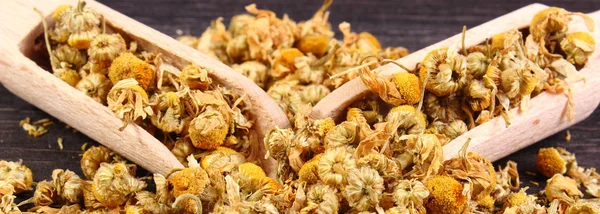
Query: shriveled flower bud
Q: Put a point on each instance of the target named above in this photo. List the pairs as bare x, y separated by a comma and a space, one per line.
195, 77
314, 93
68, 185
445, 195
104, 49
314, 44
96, 86
551, 161
127, 66
191, 180
129, 101
254, 70
278, 142
223, 159
114, 184
345, 133
446, 68
364, 188
168, 113
17, 174
309, 172
409, 193
578, 46
334, 166
208, 130
562, 188
321, 198
93, 157
74, 58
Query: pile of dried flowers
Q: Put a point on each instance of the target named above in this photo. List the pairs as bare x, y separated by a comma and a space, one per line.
367, 163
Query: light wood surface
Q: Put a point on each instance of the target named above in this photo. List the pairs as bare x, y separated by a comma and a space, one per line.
492, 139
20, 75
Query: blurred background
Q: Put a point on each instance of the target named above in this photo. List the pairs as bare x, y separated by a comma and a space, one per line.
412, 24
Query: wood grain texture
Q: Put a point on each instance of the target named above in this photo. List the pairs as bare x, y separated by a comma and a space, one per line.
413, 24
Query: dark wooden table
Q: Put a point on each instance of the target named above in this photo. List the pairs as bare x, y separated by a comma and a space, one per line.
412, 24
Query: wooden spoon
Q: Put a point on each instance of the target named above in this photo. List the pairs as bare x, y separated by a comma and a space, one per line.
21, 25
492, 139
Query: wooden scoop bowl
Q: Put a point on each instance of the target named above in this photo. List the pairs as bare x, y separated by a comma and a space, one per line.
21, 25
492, 139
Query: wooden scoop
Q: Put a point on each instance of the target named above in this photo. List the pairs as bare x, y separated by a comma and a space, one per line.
21, 25
492, 139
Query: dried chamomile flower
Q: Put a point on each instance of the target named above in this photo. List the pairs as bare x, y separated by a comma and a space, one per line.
283, 62
80, 18
104, 49
507, 181
239, 24
321, 198
518, 82
446, 69
67, 185
578, 46
552, 161
237, 49
410, 194
314, 44
405, 119
309, 172
314, 93
192, 180
334, 166
318, 24
444, 109
128, 100
479, 96
384, 165
127, 66
74, 58
67, 75
474, 169
223, 159
345, 133
195, 77
82, 24
268, 33
254, 70
113, 184
553, 21
427, 154
44, 194
249, 176
364, 188
451, 130
168, 113
213, 41
209, 129
445, 195
93, 157
477, 64
278, 142
520, 202
96, 86
182, 149
17, 174
562, 188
